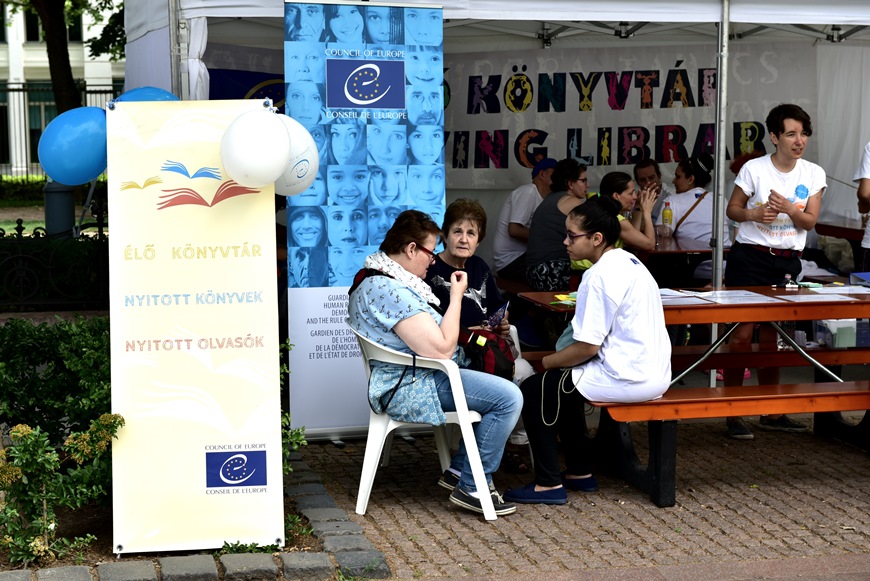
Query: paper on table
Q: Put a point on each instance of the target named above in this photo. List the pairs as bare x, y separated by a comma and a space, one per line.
672, 300
816, 298
733, 297
669, 292
736, 297
838, 290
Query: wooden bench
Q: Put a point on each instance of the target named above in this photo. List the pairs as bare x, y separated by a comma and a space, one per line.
615, 449
760, 355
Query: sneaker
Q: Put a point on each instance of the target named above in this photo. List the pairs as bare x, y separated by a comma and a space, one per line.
528, 495
782, 424
738, 430
588, 484
448, 480
461, 497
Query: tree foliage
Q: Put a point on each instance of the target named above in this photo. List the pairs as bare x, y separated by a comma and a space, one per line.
112, 38
55, 16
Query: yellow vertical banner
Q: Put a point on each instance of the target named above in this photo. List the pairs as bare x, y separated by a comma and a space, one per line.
194, 334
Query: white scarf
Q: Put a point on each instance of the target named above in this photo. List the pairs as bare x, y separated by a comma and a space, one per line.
380, 261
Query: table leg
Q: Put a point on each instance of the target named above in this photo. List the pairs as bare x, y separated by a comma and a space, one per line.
785, 337
705, 355
614, 449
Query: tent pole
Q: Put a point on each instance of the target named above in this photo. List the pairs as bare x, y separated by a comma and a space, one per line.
721, 146
174, 50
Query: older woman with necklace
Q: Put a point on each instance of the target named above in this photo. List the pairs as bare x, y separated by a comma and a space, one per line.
463, 230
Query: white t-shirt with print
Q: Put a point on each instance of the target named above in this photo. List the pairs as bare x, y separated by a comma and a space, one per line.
863, 173
699, 224
756, 178
518, 209
619, 308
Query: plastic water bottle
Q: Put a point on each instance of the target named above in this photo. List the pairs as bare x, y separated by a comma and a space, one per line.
668, 215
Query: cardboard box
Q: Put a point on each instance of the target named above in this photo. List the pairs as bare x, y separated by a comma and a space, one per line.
836, 333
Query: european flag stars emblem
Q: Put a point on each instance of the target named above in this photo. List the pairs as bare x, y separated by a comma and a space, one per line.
364, 84
235, 469
355, 84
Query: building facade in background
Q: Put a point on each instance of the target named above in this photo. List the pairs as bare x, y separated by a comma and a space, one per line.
26, 97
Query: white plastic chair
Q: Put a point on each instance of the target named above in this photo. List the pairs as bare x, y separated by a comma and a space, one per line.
381, 426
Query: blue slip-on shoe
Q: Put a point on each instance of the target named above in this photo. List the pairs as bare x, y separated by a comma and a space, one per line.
588, 484
528, 495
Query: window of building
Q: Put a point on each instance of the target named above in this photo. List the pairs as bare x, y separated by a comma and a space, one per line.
41, 109
33, 28
2, 22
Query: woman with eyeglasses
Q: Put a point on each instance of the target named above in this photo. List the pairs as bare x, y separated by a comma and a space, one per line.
391, 304
547, 265
620, 353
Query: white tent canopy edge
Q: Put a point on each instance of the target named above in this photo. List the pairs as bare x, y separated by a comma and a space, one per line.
840, 136
149, 15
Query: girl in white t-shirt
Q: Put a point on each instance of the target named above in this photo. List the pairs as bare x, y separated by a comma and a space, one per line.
621, 352
776, 200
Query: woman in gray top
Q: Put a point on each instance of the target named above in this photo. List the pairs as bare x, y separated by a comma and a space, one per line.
548, 266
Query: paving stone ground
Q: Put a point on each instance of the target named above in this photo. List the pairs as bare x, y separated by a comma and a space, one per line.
781, 505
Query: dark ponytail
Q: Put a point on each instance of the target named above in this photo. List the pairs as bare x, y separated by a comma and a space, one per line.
599, 214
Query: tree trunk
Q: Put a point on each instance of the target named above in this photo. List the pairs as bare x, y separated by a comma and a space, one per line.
51, 16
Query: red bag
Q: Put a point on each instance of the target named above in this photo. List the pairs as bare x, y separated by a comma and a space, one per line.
487, 352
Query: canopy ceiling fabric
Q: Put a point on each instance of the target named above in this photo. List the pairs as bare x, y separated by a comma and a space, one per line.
475, 25
146, 15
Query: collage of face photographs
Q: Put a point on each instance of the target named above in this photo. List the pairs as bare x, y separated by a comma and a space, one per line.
375, 161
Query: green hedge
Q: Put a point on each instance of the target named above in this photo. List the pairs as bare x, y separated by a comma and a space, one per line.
56, 376
30, 189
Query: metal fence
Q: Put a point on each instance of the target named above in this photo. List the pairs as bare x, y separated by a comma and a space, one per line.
38, 273
25, 110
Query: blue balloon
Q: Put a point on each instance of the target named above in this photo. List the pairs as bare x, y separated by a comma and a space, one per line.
73, 148
147, 94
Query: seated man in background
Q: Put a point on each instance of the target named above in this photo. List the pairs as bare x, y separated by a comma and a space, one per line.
512, 230
647, 174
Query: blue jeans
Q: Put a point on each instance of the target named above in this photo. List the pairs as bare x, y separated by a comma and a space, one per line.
499, 402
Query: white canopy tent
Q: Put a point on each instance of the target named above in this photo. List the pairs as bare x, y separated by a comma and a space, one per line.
168, 40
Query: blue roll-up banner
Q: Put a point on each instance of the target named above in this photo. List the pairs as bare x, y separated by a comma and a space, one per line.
366, 80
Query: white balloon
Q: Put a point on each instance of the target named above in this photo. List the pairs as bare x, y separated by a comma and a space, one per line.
300, 171
255, 148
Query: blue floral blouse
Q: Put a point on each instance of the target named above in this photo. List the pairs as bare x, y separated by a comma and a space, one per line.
374, 309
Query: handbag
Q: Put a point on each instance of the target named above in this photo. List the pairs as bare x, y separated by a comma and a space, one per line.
487, 352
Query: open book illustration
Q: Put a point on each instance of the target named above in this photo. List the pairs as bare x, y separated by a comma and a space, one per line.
183, 196
203, 172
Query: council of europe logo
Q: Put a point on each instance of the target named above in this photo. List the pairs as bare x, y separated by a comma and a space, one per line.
235, 469
354, 84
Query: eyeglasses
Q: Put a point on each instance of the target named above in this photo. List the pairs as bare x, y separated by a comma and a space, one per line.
584, 180
429, 252
573, 237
